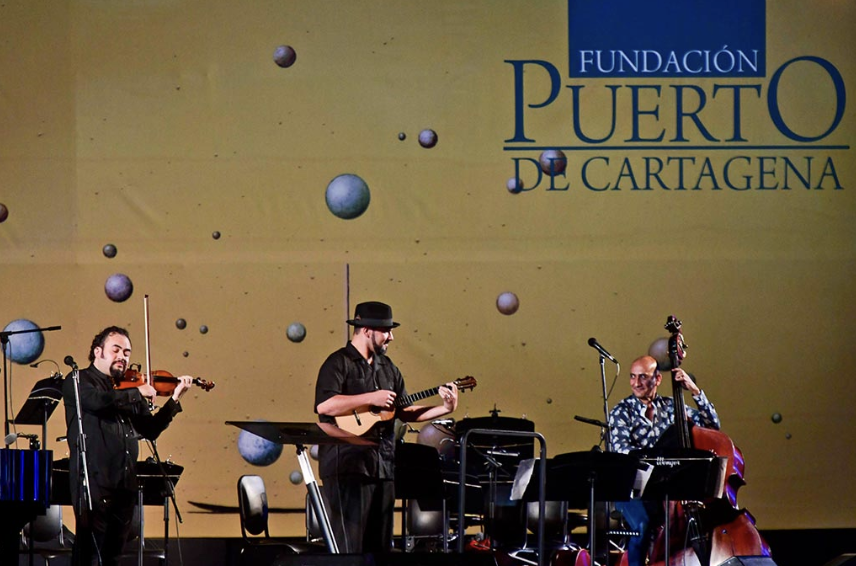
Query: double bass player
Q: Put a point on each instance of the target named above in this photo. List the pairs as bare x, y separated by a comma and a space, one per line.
637, 422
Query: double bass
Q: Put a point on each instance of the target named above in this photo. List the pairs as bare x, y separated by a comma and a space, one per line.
717, 528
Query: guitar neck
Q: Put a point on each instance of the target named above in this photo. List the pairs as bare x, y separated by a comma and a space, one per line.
408, 400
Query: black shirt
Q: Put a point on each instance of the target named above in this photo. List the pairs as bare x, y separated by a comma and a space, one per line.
347, 372
114, 420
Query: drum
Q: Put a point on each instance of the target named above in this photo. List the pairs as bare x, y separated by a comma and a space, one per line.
441, 435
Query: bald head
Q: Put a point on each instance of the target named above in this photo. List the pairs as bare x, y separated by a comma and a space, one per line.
645, 378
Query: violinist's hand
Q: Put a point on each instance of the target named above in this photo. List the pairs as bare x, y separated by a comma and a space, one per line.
185, 382
686, 381
147, 391
449, 394
383, 398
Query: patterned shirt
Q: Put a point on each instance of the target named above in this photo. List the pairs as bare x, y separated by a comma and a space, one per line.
630, 429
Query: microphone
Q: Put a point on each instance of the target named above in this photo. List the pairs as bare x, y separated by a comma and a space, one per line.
69, 361
13, 436
593, 343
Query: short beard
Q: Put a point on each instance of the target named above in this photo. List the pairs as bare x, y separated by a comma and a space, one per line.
115, 372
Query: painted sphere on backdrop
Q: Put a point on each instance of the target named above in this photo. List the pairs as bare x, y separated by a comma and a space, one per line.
118, 287
4, 212
507, 303
553, 161
109, 251
659, 350
284, 56
295, 477
427, 138
24, 348
348, 196
296, 332
514, 185
257, 450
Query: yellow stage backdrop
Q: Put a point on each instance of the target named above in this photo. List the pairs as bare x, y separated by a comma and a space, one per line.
154, 124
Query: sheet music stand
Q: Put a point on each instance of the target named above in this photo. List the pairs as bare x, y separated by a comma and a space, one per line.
682, 474
152, 490
581, 478
40, 404
301, 435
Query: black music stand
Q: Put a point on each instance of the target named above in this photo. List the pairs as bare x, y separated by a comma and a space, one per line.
301, 435
681, 474
152, 490
581, 478
40, 404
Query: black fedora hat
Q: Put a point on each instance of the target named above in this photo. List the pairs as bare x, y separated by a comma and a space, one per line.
373, 314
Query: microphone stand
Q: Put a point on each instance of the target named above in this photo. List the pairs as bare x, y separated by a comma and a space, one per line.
4, 341
81, 441
606, 433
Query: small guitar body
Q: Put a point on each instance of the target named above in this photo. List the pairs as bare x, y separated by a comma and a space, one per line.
363, 418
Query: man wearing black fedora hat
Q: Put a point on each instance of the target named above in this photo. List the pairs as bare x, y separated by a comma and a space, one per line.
358, 480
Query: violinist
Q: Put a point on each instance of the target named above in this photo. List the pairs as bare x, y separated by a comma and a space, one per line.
638, 421
113, 421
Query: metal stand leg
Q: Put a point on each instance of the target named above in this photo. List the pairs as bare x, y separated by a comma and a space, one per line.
317, 501
165, 531
142, 526
668, 528
592, 527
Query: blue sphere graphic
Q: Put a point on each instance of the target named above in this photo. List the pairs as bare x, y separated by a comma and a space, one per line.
258, 451
24, 348
348, 196
118, 287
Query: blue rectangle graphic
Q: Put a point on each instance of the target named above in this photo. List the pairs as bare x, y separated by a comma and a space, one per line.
667, 38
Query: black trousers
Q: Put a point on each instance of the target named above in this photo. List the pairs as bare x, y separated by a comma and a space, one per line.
361, 512
102, 533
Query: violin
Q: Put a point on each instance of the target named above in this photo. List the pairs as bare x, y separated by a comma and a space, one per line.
163, 381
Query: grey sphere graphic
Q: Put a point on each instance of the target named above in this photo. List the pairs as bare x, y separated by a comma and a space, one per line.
659, 350
296, 332
295, 477
181, 324
514, 185
4, 212
109, 251
553, 161
507, 303
427, 138
348, 196
257, 450
284, 56
27, 347
118, 287
203, 329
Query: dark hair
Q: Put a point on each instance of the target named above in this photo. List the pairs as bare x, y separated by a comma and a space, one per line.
101, 337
